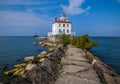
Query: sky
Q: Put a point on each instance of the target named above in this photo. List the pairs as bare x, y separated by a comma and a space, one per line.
29, 17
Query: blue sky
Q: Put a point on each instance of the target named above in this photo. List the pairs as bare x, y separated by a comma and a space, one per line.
27, 17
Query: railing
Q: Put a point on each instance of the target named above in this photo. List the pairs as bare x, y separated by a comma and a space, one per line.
71, 34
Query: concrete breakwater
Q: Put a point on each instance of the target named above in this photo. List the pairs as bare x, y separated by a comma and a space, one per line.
77, 68
67, 66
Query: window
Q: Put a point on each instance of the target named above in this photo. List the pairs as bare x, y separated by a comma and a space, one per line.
67, 30
67, 25
59, 25
63, 25
59, 30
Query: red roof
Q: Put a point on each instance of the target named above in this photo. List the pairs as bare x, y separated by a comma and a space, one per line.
62, 21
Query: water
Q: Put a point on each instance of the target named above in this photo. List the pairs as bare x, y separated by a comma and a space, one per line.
14, 49
108, 50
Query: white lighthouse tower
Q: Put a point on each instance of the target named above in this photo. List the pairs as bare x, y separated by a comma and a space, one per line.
61, 26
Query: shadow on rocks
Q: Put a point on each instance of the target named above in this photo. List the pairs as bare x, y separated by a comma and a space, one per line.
43, 73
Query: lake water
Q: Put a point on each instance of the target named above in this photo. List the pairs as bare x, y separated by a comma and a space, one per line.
14, 49
108, 50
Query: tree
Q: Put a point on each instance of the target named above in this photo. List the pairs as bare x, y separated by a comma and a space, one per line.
65, 40
83, 42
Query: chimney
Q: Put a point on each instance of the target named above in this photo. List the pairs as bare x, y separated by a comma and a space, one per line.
55, 19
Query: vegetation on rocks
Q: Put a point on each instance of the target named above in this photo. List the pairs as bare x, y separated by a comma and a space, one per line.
83, 42
65, 40
90, 57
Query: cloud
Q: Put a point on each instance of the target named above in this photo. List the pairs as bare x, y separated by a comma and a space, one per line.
75, 8
23, 23
19, 18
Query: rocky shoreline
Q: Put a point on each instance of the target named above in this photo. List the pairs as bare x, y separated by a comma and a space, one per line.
42, 69
61, 65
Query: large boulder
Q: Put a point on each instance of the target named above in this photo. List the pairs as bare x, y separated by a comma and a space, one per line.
30, 67
57, 54
50, 66
38, 75
20, 80
106, 73
29, 58
42, 54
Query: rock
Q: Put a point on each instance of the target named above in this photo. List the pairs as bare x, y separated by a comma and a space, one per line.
53, 56
40, 43
20, 80
65, 61
49, 44
42, 54
20, 65
56, 55
39, 75
76, 68
77, 58
89, 74
77, 52
59, 45
73, 69
19, 72
29, 58
51, 49
70, 79
30, 67
106, 74
109, 79
10, 72
117, 79
50, 66
42, 59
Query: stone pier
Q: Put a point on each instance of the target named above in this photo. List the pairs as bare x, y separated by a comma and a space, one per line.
76, 69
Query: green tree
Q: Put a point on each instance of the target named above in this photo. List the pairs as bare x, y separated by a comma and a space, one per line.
65, 40
83, 42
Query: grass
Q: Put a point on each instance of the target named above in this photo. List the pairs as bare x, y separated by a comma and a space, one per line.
90, 57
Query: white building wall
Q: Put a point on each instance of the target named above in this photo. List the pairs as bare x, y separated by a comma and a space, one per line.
56, 28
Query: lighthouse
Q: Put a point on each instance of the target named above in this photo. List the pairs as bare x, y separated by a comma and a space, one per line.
61, 26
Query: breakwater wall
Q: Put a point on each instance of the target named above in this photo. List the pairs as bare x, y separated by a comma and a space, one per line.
79, 68
68, 65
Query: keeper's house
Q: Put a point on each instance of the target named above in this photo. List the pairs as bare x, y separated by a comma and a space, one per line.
61, 26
